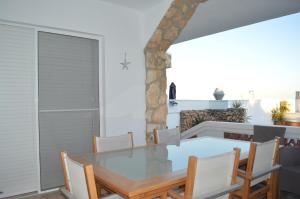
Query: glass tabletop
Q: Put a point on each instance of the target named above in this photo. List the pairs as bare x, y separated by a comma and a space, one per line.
143, 163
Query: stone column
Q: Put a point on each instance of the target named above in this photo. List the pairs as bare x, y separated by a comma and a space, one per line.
157, 60
156, 85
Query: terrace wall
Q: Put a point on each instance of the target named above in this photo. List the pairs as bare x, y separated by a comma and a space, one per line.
190, 118
258, 111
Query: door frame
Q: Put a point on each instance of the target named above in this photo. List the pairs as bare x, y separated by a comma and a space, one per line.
101, 85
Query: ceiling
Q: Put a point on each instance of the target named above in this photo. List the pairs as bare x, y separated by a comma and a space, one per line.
139, 5
216, 16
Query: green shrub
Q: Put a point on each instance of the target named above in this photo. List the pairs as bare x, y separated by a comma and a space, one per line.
237, 104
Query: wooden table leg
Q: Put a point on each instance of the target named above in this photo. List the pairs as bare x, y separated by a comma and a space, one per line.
164, 196
275, 186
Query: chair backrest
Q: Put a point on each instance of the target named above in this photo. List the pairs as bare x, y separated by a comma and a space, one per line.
101, 144
207, 175
262, 157
267, 133
79, 179
167, 136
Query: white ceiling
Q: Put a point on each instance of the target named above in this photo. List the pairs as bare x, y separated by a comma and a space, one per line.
139, 5
216, 16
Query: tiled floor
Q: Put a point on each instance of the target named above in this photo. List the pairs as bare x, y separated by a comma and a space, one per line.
57, 195
50, 195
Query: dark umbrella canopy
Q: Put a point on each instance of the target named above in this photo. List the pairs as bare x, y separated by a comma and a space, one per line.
172, 91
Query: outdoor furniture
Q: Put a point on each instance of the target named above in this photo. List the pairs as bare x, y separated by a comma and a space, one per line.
79, 180
267, 133
101, 144
260, 177
152, 170
167, 136
289, 177
211, 177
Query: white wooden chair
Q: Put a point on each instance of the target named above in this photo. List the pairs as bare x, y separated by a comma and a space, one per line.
101, 144
79, 180
211, 177
167, 136
260, 175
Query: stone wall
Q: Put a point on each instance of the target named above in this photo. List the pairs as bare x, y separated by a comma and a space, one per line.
157, 60
190, 118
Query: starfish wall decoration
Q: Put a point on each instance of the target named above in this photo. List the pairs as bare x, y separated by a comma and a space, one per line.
125, 63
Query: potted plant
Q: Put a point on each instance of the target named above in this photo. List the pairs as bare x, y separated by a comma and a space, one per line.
278, 113
277, 116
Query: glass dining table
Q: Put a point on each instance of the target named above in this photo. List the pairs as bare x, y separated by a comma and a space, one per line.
149, 171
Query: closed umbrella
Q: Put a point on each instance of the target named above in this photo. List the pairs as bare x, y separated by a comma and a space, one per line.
172, 91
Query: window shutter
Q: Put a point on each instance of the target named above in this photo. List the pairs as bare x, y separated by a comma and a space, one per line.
18, 136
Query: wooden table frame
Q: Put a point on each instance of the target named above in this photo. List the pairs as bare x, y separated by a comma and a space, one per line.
137, 189
131, 189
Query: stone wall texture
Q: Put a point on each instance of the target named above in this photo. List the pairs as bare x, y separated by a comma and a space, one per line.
190, 118
157, 60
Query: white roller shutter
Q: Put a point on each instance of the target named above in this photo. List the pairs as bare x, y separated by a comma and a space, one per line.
18, 136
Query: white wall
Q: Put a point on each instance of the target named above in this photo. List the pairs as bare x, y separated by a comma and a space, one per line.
122, 29
260, 110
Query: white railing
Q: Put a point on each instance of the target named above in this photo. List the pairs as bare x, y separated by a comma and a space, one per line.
217, 129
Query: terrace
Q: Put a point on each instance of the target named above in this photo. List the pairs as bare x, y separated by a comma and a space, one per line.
76, 73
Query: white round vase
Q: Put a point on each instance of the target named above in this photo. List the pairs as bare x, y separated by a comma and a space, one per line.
219, 94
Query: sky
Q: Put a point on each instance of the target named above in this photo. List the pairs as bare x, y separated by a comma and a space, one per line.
259, 61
